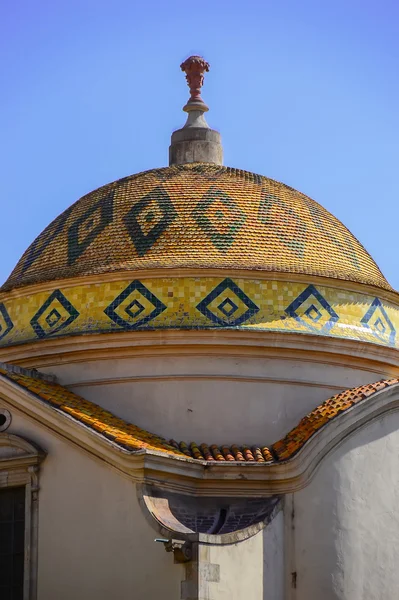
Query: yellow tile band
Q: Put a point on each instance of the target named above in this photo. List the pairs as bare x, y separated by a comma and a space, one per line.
198, 303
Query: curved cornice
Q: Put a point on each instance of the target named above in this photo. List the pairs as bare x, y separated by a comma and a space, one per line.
203, 478
25, 447
304, 347
23, 452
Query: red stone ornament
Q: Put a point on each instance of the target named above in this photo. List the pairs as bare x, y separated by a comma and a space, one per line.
194, 68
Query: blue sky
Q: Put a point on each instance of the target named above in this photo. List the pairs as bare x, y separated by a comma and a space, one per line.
305, 92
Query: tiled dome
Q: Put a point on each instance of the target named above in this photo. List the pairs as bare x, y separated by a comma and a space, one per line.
195, 216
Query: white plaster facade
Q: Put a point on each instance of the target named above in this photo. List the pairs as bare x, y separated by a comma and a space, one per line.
333, 535
93, 541
346, 521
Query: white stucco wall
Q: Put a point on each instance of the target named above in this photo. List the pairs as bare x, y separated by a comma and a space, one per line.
273, 559
345, 542
94, 542
252, 569
241, 570
212, 399
339, 536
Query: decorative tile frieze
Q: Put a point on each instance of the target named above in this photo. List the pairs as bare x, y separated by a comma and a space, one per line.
198, 303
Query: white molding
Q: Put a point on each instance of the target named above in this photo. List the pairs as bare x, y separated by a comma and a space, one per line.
126, 344
189, 476
201, 376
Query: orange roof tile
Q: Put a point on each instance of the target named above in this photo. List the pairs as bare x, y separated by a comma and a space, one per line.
133, 438
120, 432
287, 447
322, 414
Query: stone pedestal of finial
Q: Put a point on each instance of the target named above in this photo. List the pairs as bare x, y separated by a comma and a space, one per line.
195, 142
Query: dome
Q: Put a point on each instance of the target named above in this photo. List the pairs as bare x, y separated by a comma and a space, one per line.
195, 216
197, 246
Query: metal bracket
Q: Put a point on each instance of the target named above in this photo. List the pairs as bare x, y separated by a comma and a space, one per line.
182, 551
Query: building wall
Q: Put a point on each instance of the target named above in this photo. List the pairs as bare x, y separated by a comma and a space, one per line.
213, 399
273, 559
344, 544
337, 539
94, 542
253, 568
241, 570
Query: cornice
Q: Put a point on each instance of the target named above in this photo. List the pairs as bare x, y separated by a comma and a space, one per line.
28, 454
238, 343
198, 377
201, 478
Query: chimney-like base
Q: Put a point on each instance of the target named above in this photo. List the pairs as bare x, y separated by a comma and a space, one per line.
195, 144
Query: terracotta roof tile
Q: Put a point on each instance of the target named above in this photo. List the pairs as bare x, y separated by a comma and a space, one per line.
287, 447
122, 433
320, 416
133, 438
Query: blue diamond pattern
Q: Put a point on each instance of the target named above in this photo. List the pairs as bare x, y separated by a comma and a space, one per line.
377, 320
231, 307
143, 241
240, 298
136, 285
48, 235
138, 309
53, 318
84, 230
379, 325
229, 212
312, 311
5, 322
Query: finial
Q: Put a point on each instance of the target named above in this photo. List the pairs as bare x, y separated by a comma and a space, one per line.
195, 141
194, 68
